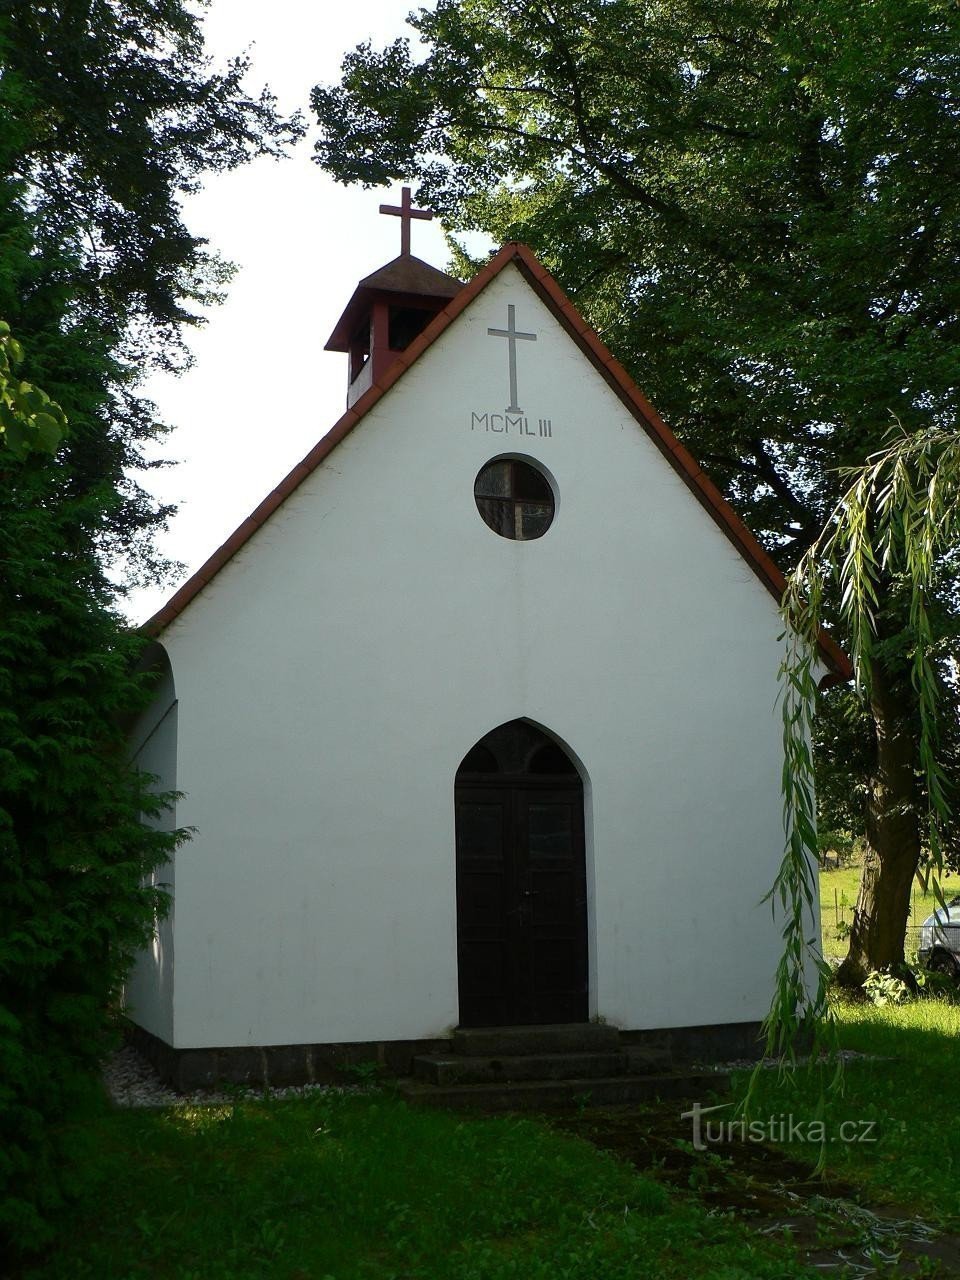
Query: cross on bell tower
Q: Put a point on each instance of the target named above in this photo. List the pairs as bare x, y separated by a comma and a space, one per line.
390, 308
406, 213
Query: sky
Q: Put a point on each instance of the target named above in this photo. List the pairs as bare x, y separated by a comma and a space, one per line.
262, 390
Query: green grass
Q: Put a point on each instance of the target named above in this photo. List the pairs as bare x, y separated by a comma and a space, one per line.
838, 894
911, 1093
363, 1186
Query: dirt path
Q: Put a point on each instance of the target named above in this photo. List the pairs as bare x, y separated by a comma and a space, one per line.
834, 1226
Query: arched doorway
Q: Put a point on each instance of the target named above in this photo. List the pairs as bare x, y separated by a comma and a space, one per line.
521, 882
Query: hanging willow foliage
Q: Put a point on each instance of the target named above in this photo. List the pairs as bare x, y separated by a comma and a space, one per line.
898, 518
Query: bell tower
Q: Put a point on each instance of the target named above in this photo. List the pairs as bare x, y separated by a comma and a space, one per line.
390, 307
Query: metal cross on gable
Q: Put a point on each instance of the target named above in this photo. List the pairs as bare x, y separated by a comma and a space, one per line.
511, 333
405, 212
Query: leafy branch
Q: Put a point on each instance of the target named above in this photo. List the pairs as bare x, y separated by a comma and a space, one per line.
30, 422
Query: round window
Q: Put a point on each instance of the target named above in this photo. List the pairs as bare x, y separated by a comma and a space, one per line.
514, 498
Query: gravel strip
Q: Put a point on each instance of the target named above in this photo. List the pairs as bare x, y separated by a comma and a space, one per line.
771, 1064
132, 1081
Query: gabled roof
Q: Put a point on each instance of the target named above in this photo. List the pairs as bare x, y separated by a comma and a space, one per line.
407, 274
404, 275
553, 297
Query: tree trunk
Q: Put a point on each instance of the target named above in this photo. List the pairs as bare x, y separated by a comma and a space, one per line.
893, 841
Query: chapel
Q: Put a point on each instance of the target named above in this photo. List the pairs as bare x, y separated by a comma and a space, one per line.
474, 720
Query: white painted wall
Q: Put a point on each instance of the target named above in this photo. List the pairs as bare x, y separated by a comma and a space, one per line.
148, 995
333, 675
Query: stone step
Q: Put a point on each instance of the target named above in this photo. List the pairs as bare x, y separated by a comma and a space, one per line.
505, 1042
458, 1069
558, 1095
643, 1060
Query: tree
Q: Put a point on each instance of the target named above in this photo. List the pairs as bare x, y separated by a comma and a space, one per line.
74, 853
898, 517
110, 113
756, 204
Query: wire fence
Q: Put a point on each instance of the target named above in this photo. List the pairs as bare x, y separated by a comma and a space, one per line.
919, 941
946, 936
840, 910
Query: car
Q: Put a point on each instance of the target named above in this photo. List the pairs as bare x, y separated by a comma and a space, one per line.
939, 949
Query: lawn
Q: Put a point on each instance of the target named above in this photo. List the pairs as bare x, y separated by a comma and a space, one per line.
357, 1185
360, 1185
903, 1103
363, 1186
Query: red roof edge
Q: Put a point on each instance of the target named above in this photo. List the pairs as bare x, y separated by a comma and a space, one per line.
544, 285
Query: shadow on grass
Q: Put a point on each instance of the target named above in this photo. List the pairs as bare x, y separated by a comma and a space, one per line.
356, 1186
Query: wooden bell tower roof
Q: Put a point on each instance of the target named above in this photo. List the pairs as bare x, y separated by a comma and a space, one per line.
410, 277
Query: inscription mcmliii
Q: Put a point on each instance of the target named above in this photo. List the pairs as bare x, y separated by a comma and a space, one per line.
507, 423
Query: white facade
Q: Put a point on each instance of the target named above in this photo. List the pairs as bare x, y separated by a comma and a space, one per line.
334, 673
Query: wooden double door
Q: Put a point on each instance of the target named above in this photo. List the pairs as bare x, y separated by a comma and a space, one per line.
521, 882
